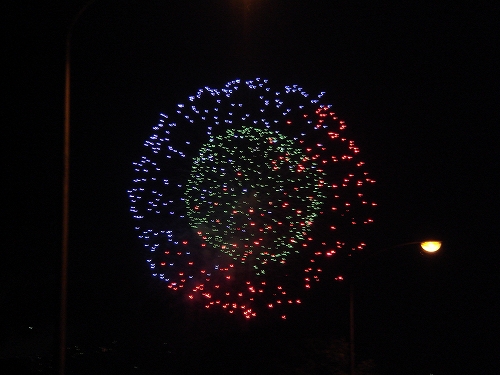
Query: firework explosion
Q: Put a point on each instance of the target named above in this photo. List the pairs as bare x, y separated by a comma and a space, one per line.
245, 194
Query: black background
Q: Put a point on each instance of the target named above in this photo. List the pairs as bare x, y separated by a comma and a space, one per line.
414, 81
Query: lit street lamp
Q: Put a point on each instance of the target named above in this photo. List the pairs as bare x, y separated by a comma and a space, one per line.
427, 246
430, 246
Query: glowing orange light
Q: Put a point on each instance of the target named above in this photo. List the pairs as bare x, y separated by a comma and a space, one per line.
431, 246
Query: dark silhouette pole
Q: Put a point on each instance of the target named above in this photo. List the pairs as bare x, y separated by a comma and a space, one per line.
65, 198
352, 361
427, 246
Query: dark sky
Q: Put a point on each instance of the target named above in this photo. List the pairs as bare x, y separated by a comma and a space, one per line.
414, 81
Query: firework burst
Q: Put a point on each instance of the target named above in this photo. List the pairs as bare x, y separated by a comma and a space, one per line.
245, 194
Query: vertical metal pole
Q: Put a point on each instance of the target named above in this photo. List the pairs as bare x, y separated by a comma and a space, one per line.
65, 215
65, 202
351, 329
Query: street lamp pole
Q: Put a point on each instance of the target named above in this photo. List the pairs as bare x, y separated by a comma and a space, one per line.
427, 246
352, 361
65, 193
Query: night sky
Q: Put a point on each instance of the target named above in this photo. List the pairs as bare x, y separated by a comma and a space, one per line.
415, 83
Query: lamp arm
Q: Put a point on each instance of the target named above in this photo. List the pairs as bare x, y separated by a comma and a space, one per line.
385, 250
75, 20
